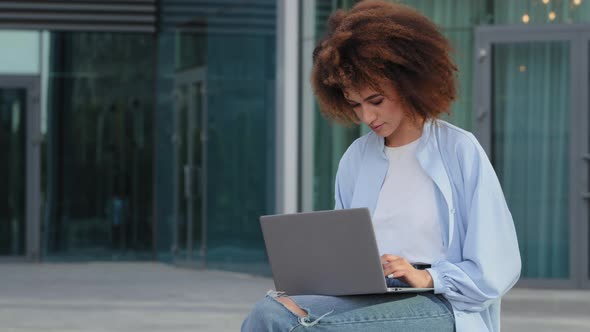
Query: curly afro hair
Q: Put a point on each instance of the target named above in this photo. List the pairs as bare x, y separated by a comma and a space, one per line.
377, 43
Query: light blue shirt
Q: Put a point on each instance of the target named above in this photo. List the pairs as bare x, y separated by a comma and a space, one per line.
482, 258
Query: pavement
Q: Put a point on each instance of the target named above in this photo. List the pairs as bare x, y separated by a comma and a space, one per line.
154, 296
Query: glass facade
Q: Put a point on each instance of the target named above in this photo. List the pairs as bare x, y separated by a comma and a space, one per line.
531, 129
215, 132
154, 146
540, 12
98, 146
162, 145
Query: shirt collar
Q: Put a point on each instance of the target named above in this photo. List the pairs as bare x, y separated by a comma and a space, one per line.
426, 133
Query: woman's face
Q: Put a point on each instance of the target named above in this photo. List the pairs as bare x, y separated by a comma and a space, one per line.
383, 113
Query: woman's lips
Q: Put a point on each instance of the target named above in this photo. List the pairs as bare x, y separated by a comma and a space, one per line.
375, 128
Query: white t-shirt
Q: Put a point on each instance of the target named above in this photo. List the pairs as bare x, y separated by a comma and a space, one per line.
406, 219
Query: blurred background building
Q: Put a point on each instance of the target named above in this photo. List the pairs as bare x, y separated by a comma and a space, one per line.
161, 130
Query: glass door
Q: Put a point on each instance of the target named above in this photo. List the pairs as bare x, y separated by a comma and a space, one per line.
190, 242
19, 153
98, 156
13, 225
530, 149
527, 107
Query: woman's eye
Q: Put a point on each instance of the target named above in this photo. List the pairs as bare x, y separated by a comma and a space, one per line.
377, 102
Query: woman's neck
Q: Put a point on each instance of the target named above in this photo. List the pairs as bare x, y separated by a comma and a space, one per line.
408, 131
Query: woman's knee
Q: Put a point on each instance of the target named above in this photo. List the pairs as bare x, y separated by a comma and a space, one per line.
292, 306
269, 314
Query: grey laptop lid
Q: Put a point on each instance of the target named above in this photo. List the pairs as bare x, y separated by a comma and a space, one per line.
326, 253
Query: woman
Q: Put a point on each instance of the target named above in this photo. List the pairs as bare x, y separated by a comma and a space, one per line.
439, 214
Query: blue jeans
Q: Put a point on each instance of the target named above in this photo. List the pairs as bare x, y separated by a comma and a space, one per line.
380, 312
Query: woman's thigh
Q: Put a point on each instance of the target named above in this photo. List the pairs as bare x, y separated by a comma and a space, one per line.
392, 312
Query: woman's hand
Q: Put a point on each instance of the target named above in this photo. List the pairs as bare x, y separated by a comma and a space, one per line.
401, 269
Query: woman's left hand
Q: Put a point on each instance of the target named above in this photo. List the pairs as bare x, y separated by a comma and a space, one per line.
401, 269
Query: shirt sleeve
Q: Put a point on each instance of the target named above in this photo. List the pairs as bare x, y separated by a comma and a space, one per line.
345, 177
341, 195
491, 262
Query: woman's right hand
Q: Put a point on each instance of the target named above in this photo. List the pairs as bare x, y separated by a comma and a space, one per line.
399, 268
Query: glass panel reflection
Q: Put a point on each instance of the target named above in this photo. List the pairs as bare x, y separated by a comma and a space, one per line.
232, 44
12, 168
530, 149
100, 142
540, 12
188, 169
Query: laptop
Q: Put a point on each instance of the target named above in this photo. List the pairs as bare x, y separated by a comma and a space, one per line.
326, 253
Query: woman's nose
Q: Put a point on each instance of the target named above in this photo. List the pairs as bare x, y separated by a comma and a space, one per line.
367, 115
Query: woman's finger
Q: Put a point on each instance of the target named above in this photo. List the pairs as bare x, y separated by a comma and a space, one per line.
399, 261
396, 273
390, 268
387, 269
388, 257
